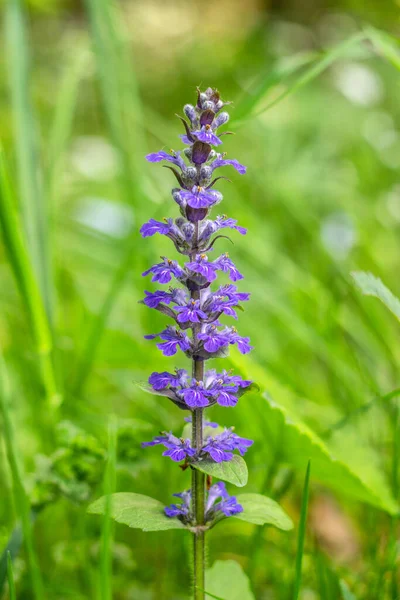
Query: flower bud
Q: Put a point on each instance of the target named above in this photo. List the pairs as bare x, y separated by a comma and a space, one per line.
221, 119
191, 114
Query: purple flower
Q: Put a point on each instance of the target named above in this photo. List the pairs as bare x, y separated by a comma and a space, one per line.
199, 197
221, 446
217, 452
218, 490
213, 339
181, 510
243, 343
222, 162
191, 312
196, 396
160, 381
164, 271
175, 158
201, 266
223, 222
173, 339
229, 506
152, 227
206, 135
224, 263
177, 449
226, 398
153, 299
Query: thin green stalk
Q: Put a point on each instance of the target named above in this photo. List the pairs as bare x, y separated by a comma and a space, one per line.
28, 285
33, 209
108, 528
10, 576
20, 498
302, 534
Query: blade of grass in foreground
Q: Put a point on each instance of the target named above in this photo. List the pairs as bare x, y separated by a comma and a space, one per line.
10, 577
20, 498
25, 276
26, 142
302, 534
105, 583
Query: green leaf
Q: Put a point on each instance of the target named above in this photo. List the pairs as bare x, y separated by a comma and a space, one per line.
302, 534
373, 286
234, 471
226, 580
346, 593
262, 510
253, 387
146, 387
136, 511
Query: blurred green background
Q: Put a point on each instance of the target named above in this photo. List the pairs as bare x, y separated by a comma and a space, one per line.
86, 90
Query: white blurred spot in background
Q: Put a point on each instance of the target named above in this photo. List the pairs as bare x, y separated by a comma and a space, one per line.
104, 216
338, 234
358, 83
393, 202
94, 158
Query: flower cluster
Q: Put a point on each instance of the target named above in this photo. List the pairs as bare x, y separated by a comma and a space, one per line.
219, 447
225, 507
194, 303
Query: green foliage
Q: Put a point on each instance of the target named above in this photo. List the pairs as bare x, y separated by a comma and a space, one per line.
10, 577
301, 534
226, 580
373, 286
346, 593
234, 471
137, 511
261, 510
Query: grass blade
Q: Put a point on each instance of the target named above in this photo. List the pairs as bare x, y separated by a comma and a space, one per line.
10, 576
302, 534
340, 51
27, 282
105, 583
268, 81
26, 142
20, 498
387, 45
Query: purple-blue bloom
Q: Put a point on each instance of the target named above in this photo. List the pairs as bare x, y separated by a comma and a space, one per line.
175, 158
199, 197
160, 381
196, 396
206, 135
203, 267
220, 161
191, 312
164, 271
177, 449
174, 339
213, 340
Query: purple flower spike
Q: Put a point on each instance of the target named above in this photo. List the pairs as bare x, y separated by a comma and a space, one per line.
164, 271
195, 304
